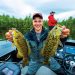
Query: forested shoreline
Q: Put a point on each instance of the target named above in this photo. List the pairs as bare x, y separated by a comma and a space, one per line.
24, 25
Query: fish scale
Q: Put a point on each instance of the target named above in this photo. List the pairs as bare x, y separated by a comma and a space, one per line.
21, 45
51, 43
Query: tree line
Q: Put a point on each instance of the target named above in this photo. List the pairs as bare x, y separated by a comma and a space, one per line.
24, 25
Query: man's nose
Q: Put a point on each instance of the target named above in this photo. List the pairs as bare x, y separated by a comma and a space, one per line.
37, 23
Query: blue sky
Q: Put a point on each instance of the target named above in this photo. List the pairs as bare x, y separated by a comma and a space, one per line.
22, 8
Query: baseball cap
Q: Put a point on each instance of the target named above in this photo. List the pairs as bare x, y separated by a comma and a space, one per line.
37, 15
52, 12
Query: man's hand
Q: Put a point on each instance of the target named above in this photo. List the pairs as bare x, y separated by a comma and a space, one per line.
9, 36
65, 32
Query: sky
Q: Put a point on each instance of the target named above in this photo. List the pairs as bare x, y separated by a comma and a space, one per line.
22, 8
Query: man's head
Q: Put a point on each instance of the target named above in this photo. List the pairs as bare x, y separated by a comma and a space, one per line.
37, 21
37, 15
52, 13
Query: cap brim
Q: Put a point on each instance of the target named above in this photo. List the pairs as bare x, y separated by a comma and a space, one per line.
52, 12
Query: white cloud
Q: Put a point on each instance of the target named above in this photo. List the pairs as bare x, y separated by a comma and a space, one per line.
38, 2
18, 7
61, 16
22, 8
65, 15
44, 1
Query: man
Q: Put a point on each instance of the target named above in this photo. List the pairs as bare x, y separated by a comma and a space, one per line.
36, 38
51, 20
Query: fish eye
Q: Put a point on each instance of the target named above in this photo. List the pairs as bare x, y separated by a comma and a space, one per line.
16, 31
16, 38
56, 28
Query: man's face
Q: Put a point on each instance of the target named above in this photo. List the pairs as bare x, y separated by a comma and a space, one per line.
52, 13
37, 23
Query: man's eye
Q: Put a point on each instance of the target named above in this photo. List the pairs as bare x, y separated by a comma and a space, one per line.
39, 21
35, 21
